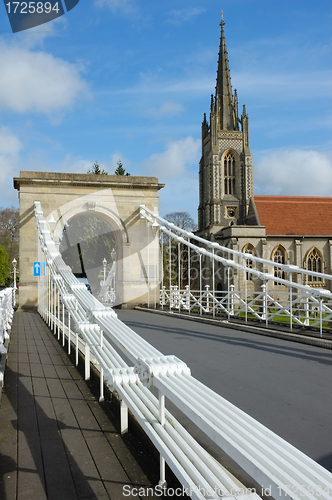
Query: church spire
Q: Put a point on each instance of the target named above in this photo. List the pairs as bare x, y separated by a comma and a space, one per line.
224, 98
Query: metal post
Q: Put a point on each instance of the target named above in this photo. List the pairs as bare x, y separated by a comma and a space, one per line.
49, 296
69, 341
162, 420
179, 267
58, 313
189, 262
147, 225
123, 418
228, 294
76, 360
264, 312
290, 301
170, 271
200, 284
231, 312
306, 308
245, 291
101, 397
14, 262
162, 269
63, 325
87, 362
207, 298
52, 306
213, 285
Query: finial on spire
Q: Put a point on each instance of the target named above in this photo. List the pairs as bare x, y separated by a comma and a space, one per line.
222, 18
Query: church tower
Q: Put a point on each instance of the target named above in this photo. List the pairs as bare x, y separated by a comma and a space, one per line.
225, 169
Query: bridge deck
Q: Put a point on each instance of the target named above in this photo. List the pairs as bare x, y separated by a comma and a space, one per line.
56, 440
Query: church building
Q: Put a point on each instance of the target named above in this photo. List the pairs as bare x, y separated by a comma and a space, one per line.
293, 230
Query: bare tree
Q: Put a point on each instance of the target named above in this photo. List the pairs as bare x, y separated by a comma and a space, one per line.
175, 255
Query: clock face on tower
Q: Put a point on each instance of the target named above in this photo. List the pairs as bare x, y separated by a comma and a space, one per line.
231, 211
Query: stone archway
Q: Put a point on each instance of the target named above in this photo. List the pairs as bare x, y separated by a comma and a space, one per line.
116, 199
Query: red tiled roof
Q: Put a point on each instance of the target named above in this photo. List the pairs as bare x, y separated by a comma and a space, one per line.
295, 215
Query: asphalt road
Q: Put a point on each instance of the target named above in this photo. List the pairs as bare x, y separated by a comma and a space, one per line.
286, 386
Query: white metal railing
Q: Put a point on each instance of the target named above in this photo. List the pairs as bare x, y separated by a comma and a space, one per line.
76, 317
301, 304
107, 292
7, 301
302, 309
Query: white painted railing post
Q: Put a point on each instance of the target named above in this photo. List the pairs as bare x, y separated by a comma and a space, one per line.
48, 296
101, 381
162, 480
213, 284
200, 284
163, 297
63, 325
76, 346
170, 273
187, 298
290, 302
306, 308
59, 312
228, 294
264, 302
87, 362
207, 298
123, 417
69, 341
231, 291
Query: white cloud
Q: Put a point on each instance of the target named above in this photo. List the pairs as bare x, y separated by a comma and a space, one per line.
177, 167
284, 85
37, 81
294, 172
180, 195
178, 17
10, 147
174, 161
166, 109
116, 5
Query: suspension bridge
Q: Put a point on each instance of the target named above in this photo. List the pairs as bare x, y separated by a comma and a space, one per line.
144, 378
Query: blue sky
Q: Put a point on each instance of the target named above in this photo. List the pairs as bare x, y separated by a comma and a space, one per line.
131, 79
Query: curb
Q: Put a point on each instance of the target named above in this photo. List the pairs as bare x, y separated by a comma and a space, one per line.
267, 332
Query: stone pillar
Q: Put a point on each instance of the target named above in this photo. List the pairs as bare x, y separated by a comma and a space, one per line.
114, 198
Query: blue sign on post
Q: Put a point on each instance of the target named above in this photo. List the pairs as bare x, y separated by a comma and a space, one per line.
39, 268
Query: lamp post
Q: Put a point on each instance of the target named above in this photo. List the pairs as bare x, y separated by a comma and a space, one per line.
104, 265
113, 255
14, 262
52, 221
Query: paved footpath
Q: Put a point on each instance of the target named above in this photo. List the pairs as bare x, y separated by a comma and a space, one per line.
56, 441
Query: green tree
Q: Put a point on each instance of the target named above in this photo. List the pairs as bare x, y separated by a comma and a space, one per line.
97, 170
4, 268
9, 231
120, 170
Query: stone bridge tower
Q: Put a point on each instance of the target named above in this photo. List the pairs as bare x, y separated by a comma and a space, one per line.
225, 170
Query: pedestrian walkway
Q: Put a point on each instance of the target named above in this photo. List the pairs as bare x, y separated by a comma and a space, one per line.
56, 441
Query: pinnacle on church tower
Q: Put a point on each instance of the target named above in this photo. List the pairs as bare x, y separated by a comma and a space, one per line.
225, 174
225, 102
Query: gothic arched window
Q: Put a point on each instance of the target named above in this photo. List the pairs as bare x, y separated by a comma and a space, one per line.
279, 256
229, 173
249, 264
314, 262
